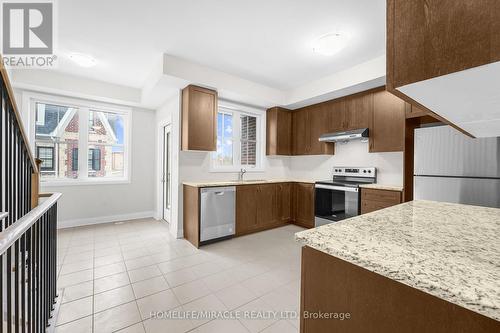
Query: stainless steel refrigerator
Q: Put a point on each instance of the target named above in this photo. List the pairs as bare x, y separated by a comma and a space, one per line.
452, 167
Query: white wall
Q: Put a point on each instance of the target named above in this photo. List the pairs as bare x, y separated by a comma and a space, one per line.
100, 203
389, 165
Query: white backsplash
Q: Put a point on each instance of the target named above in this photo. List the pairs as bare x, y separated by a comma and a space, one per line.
355, 153
195, 166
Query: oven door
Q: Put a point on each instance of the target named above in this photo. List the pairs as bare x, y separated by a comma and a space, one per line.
335, 203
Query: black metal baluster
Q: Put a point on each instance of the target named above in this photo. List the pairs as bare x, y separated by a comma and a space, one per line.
45, 295
40, 274
19, 143
33, 278
54, 254
23, 283
2, 159
3, 113
9, 166
44, 249
38, 279
47, 271
17, 268
16, 286
54, 274
22, 175
51, 262
2, 328
8, 273
29, 252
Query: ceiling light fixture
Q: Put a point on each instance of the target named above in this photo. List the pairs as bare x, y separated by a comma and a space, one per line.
330, 44
83, 60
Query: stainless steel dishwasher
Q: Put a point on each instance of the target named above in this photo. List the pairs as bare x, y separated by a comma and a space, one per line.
217, 213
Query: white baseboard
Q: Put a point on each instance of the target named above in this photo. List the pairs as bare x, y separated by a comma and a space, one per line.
104, 219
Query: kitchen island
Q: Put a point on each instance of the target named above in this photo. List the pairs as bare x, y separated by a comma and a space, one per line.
420, 266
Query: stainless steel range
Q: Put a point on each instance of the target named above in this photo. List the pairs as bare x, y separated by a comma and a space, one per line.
340, 198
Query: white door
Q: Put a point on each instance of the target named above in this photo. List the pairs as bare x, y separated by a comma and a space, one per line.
167, 169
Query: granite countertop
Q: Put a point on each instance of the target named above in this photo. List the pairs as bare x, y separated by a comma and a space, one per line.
245, 182
383, 187
451, 251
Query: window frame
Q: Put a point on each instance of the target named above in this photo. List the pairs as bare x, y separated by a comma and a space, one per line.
237, 111
84, 107
42, 168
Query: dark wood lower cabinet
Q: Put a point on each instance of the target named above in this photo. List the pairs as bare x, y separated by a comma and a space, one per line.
375, 199
284, 196
246, 209
303, 204
258, 207
263, 206
191, 218
375, 303
267, 207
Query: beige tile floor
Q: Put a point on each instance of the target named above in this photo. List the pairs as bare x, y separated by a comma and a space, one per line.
112, 276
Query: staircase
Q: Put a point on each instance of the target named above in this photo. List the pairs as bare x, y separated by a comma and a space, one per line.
28, 223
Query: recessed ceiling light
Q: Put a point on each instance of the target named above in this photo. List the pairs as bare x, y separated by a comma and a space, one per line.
330, 43
83, 60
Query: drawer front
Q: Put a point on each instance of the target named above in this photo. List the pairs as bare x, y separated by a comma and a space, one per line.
392, 197
371, 206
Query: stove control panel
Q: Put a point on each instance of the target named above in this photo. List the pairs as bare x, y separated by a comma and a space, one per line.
354, 172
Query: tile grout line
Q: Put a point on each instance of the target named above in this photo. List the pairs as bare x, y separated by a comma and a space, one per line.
199, 278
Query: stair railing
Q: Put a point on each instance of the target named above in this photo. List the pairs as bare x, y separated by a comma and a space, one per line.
28, 227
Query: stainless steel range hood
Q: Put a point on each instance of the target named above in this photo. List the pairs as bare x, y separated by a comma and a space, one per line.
345, 136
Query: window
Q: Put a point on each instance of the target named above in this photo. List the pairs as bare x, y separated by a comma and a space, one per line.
73, 131
40, 114
248, 140
238, 144
74, 159
46, 154
94, 160
224, 155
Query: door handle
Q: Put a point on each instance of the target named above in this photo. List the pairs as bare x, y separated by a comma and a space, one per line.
219, 193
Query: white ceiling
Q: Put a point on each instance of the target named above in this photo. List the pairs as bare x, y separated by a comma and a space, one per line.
265, 41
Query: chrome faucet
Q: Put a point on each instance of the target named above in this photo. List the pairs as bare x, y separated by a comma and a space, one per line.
241, 174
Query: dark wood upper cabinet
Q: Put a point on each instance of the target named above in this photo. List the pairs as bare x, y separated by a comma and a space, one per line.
387, 130
348, 113
376, 109
301, 132
336, 113
278, 131
429, 39
199, 119
308, 124
318, 121
358, 111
